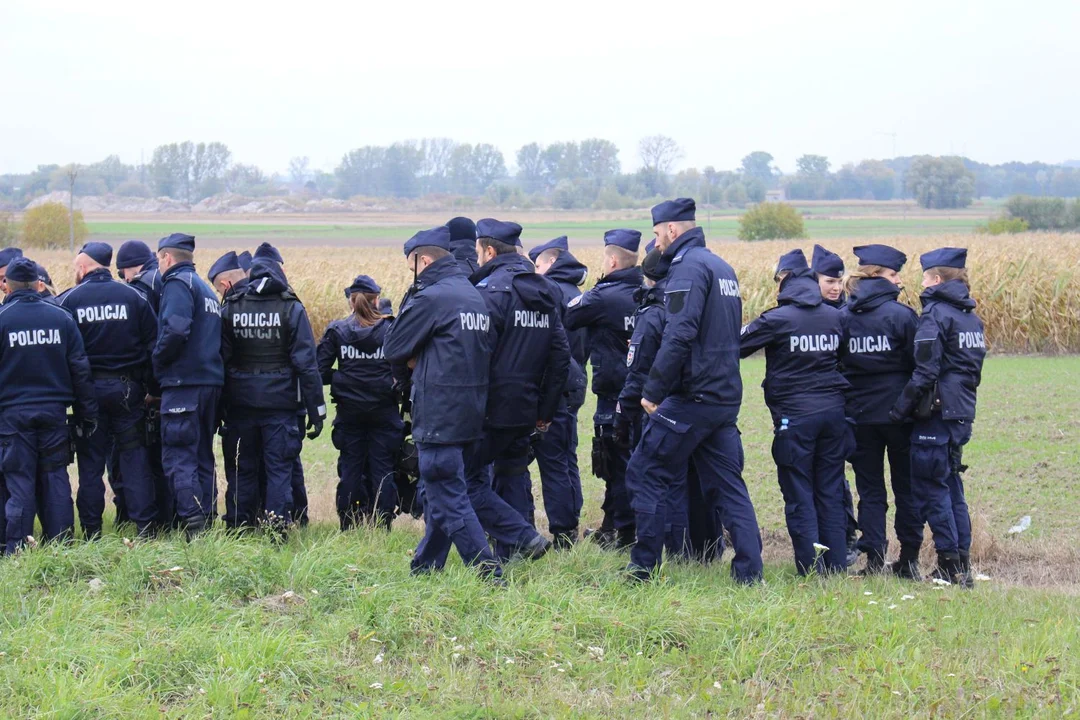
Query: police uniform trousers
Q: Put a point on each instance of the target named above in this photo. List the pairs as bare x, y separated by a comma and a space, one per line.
188, 423
163, 500
243, 503
936, 453
810, 453
851, 522
704, 530
560, 479
270, 440
121, 425
872, 443
618, 515
681, 431
676, 508
500, 488
299, 485
34, 454
449, 517
367, 444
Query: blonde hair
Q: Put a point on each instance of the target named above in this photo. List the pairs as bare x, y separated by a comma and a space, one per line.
851, 280
365, 308
623, 258
950, 273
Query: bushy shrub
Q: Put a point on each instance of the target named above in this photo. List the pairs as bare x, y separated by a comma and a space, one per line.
771, 221
1045, 213
7, 229
47, 226
1003, 226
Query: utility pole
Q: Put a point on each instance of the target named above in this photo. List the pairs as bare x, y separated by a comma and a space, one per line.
72, 173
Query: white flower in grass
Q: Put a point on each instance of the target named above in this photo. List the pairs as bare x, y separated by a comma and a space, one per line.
908, 597
375, 686
868, 593
378, 659
821, 548
942, 582
873, 602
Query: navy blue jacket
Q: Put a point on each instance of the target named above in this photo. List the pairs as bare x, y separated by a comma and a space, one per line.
699, 355
649, 323
607, 312
464, 251
268, 347
362, 383
42, 359
568, 275
188, 350
949, 350
801, 338
443, 324
149, 283
530, 358
118, 326
877, 351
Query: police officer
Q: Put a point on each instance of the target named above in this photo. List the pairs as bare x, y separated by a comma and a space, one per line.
607, 313
441, 332
828, 269
188, 367
43, 370
692, 395
463, 243
243, 505
368, 429
556, 450
530, 362
877, 353
119, 330
266, 251
44, 287
269, 354
805, 394
6, 256
137, 266
950, 346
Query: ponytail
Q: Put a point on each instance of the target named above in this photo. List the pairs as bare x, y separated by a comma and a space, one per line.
365, 308
851, 280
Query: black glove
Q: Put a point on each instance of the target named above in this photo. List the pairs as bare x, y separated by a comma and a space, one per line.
622, 431
314, 428
895, 416
88, 428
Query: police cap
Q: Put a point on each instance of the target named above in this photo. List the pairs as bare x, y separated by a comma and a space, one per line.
793, 261
882, 255
8, 254
99, 252
435, 237
363, 284
180, 241
677, 210
22, 269
133, 253
462, 228
944, 257
266, 251
508, 233
560, 243
827, 263
225, 263
626, 239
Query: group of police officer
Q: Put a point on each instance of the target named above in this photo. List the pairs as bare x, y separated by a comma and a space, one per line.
483, 369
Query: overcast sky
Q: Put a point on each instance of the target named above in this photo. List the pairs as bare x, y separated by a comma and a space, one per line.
993, 80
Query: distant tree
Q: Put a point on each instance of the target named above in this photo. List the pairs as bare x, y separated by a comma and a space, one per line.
735, 194
246, 180
940, 182
360, 172
812, 165
8, 230
877, 178
189, 171
771, 221
758, 166
599, 159
532, 169
658, 154
47, 226
488, 165
133, 188
298, 170
435, 164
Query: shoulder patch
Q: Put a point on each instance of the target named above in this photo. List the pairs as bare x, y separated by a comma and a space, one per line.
575, 302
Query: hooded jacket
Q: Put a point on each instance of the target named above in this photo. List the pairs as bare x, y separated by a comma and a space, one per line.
362, 384
269, 348
801, 338
149, 283
699, 354
444, 325
950, 346
530, 358
606, 312
644, 344
877, 350
188, 349
464, 251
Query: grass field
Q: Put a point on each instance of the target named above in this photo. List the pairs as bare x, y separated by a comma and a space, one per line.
331, 625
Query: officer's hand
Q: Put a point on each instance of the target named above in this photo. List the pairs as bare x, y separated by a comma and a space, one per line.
622, 433
412, 363
314, 428
650, 407
895, 416
89, 427
151, 401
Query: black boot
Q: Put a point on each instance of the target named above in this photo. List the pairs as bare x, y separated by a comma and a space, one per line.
534, 549
92, 532
907, 566
601, 536
565, 539
950, 568
966, 578
875, 564
625, 537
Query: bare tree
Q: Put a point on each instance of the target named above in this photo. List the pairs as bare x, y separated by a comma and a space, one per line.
658, 153
298, 169
72, 174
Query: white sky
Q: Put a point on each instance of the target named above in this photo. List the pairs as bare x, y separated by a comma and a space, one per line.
993, 79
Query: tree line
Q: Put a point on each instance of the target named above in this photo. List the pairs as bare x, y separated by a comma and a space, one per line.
566, 175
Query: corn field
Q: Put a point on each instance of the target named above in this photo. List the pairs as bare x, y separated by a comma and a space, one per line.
1027, 286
